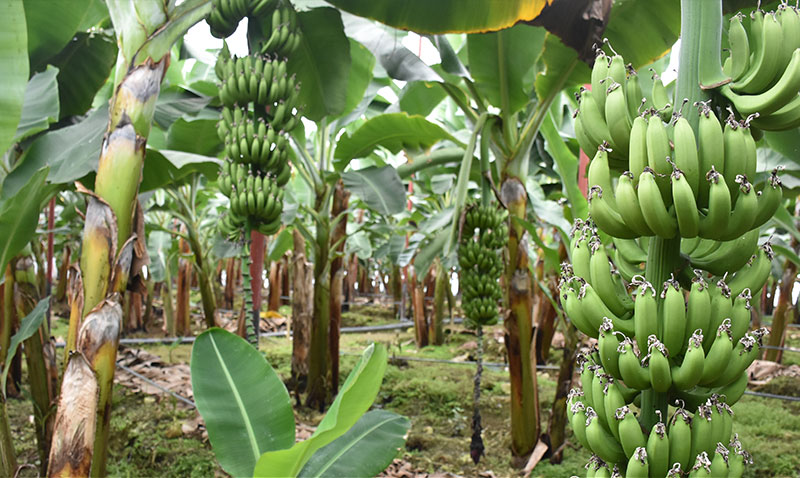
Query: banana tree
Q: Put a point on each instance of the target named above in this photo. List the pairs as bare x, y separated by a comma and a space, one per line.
195, 211
112, 240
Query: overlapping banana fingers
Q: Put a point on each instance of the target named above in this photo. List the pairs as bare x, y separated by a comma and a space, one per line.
764, 67
484, 233
603, 418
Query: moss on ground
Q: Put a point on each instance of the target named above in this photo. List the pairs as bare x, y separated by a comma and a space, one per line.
435, 396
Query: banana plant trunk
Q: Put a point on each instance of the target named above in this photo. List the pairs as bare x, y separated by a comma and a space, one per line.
557, 426
319, 378
396, 285
183, 319
302, 311
258, 244
436, 331
418, 310
519, 339
274, 294
63, 279
167, 302
783, 313
207, 295
40, 369
80, 436
341, 199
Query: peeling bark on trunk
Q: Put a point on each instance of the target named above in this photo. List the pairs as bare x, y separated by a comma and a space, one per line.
73, 440
519, 329
63, 279
183, 323
112, 217
341, 199
418, 311
302, 301
274, 301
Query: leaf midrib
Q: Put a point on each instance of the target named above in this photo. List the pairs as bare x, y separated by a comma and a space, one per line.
245, 417
341, 452
370, 183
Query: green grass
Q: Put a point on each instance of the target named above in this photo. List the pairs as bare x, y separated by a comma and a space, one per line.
435, 396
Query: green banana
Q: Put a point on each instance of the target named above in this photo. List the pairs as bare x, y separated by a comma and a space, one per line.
658, 365
719, 207
691, 369
739, 49
655, 211
672, 316
628, 205
680, 438
658, 450
606, 217
718, 355
765, 59
683, 198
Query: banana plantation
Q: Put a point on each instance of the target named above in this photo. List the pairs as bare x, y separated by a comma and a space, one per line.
357, 238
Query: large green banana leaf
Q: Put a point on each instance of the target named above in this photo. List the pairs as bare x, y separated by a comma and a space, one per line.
13, 68
445, 16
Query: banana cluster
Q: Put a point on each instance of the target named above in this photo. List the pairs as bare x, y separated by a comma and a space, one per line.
694, 347
764, 67
603, 420
252, 141
483, 235
262, 80
677, 185
226, 14
259, 108
606, 113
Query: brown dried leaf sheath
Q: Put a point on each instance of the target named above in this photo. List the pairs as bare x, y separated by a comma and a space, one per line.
71, 451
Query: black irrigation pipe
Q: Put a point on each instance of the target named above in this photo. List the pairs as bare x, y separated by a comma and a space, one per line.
160, 387
775, 347
345, 330
772, 395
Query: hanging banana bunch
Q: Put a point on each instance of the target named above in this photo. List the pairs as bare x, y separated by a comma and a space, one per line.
687, 339
483, 236
259, 109
764, 67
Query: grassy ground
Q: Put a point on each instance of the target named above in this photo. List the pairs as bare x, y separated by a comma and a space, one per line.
146, 438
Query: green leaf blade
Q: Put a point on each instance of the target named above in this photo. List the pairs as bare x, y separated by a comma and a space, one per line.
364, 451
28, 326
237, 390
356, 396
321, 63
380, 188
13, 68
41, 105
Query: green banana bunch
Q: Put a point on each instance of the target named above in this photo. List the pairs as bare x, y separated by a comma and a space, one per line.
259, 107
482, 236
764, 67
226, 14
